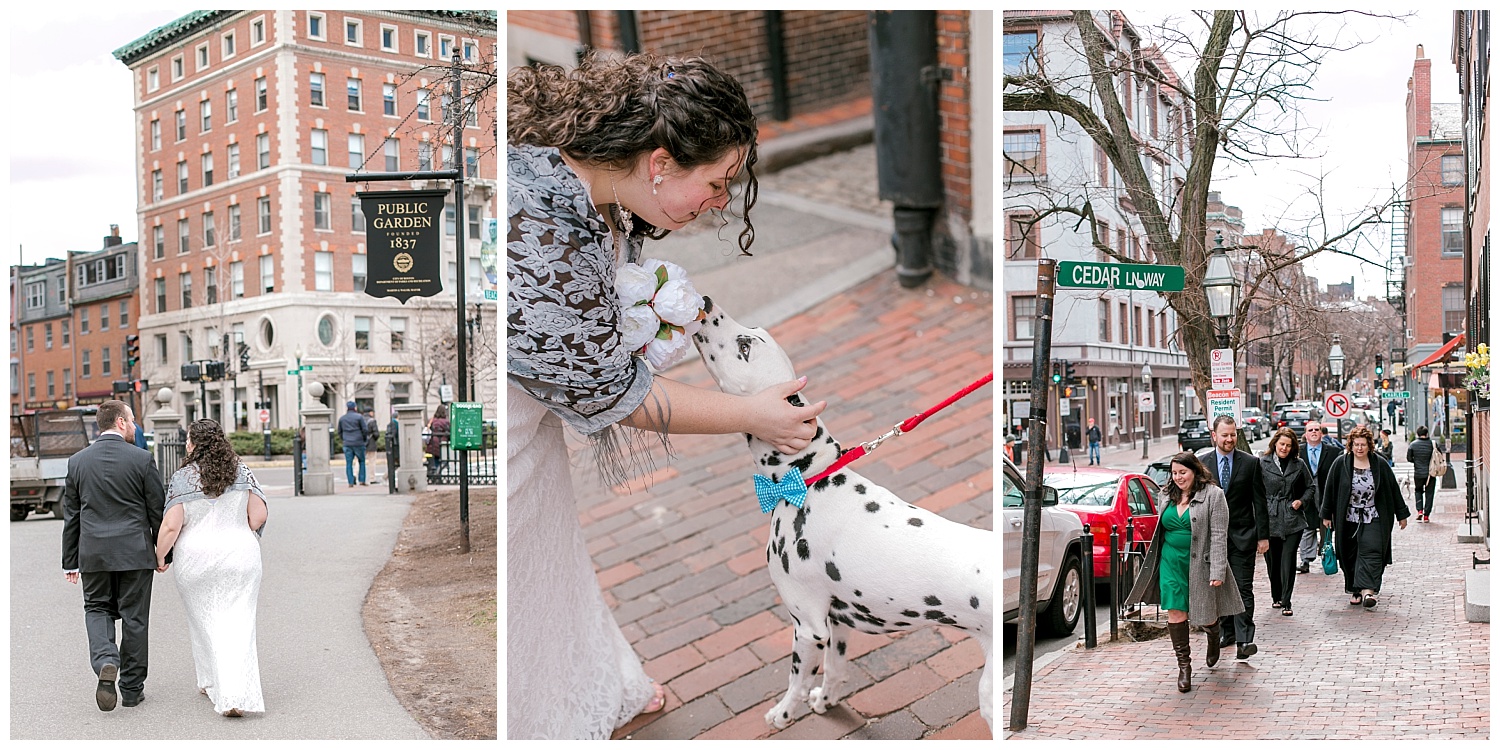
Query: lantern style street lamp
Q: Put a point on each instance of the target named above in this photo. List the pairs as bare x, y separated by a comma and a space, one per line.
1221, 288
1336, 362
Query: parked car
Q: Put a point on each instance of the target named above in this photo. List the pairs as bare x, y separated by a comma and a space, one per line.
1159, 471
1257, 425
1105, 498
1193, 433
1059, 584
1297, 418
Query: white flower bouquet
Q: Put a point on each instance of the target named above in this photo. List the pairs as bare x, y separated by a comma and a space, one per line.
662, 311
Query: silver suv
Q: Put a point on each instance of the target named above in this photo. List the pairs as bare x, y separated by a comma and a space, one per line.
1059, 585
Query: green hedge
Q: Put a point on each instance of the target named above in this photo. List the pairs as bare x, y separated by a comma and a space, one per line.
254, 444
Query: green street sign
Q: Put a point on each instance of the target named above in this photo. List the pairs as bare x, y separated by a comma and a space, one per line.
1395, 394
467, 426
307, 368
1142, 276
291, 372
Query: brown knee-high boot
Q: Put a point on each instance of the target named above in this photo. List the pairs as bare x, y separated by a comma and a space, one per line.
1182, 647
1211, 657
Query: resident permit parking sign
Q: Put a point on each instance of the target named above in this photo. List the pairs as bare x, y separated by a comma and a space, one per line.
1228, 401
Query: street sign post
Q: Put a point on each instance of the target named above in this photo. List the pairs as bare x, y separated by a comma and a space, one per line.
1337, 404
1142, 276
1064, 407
1395, 394
1228, 401
1221, 368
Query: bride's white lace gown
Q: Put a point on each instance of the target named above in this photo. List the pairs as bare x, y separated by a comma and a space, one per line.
570, 673
216, 563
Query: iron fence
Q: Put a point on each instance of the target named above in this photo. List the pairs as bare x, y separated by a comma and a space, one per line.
444, 467
171, 449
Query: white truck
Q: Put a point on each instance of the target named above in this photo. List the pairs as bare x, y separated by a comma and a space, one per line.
40, 445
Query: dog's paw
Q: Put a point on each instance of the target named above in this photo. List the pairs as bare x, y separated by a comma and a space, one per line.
820, 701
778, 717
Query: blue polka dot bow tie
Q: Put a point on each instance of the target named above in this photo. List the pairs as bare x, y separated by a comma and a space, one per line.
791, 488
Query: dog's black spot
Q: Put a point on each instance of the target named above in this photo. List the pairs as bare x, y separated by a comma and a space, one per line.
914, 521
802, 550
820, 647
833, 443
947, 621
803, 463
783, 713
773, 460
856, 593
716, 322
862, 608
796, 669
712, 358
901, 624
749, 438
859, 488
775, 478
910, 613
795, 400
817, 637
842, 646
839, 480
872, 507
838, 603
768, 554
776, 527
833, 570
796, 658
974, 602
794, 619
934, 614
932, 601
819, 433
786, 565
798, 521
821, 484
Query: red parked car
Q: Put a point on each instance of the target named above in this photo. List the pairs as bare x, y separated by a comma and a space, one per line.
1109, 497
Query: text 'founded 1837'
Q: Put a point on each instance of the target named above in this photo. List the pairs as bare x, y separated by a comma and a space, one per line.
404, 232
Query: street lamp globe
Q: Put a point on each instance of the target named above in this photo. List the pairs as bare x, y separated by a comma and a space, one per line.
1219, 283
1146, 374
1336, 359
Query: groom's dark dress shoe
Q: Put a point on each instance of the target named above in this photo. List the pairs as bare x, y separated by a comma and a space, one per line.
131, 701
105, 695
1245, 651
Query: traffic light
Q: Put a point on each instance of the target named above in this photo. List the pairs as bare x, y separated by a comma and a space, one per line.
1379, 366
1056, 372
132, 351
1068, 376
244, 357
1068, 392
1385, 384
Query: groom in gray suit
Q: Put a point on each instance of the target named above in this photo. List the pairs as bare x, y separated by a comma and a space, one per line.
112, 508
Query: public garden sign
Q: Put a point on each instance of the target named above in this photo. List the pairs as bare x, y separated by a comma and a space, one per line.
403, 229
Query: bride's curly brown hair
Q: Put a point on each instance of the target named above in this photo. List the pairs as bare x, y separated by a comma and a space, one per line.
610, 110
218, 465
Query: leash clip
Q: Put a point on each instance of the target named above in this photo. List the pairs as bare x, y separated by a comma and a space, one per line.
873, 444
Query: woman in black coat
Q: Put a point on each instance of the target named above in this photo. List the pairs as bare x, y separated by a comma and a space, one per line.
1292, 508
1362, 504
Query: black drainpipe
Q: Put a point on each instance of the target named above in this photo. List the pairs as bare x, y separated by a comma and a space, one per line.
904, 77
781, 106
630, 33
585, 34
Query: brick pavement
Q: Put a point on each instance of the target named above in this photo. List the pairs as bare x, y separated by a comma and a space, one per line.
1410, 668
682, 564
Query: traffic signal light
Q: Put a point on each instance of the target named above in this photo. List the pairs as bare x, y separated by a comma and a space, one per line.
132, 350
244, 357
1379, 366
1385, 384
1056, 372
1068, 376
1068, 392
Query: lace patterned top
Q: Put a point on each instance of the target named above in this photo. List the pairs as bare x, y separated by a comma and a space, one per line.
1362, 498
563, 345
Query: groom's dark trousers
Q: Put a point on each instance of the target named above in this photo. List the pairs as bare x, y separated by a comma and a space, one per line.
112, 509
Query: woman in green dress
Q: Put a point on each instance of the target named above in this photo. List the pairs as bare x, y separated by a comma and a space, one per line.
1188, 563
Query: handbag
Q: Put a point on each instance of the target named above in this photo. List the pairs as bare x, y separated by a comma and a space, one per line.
1438, 465
1330, 562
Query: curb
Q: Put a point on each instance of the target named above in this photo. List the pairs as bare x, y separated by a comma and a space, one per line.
794, 148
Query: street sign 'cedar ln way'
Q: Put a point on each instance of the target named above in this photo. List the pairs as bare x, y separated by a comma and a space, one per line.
1142, 276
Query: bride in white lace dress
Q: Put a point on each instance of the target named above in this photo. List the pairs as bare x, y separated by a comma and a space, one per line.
657, 142
214, 514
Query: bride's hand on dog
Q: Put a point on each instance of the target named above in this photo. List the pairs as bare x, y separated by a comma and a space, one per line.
789, 429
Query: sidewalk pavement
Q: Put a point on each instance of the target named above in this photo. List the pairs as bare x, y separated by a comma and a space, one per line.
1412, 667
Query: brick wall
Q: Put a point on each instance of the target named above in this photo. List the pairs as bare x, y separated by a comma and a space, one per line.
953, 109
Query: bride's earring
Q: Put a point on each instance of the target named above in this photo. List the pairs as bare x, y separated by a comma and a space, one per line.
654, 182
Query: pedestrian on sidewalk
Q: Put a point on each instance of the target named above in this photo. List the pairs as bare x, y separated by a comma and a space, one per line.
1188, 563
1239, 475
355, 433
1318, 453
1363, 504
600, 158
1094, 437
1424, 485
1385, 448
1291, 508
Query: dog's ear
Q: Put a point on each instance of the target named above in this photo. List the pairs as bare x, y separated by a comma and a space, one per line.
795, 400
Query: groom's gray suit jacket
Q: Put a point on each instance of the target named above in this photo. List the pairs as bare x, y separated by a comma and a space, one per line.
112, 508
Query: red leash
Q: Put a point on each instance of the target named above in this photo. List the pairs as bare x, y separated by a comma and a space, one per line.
910, 424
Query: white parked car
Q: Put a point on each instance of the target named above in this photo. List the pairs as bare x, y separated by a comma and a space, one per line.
1059, 589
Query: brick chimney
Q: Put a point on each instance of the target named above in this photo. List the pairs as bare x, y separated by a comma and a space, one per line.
113, 238
1419, 99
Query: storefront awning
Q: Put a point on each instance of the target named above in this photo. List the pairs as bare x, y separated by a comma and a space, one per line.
1442, 352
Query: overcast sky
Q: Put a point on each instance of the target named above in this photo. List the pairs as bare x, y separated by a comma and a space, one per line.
1363, 140
71, 145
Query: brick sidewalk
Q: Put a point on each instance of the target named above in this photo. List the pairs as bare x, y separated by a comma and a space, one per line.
683, 563
1410, 668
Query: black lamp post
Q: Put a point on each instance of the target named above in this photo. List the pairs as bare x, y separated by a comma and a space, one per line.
1336, 363
1222, 288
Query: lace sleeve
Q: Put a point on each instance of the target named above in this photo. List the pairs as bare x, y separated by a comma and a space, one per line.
563, 344
185, 485
245, 480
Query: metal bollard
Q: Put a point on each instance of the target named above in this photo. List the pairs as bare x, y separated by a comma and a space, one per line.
1090, 626
296, 464
1114, 582
1129, 573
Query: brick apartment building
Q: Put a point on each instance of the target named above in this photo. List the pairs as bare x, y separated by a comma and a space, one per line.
1436, 307
798, 62
247, 122
104, 296
1471, 56
42, 342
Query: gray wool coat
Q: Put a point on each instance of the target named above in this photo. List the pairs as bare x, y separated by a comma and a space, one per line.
1208, 560
1283, 487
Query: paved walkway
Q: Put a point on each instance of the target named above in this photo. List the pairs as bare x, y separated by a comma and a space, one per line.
1412, 667
683, 562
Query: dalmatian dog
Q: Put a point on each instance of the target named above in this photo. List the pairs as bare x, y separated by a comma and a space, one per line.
854, 556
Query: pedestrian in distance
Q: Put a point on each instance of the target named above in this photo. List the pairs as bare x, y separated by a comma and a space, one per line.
1188, 565
1095, 435
1318, 452
374, 428
1291, 510
1364, 503
214, 515
600, 158
437, 436
354, 431
1424, 485
1385, 447
112, 510
1238, 474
